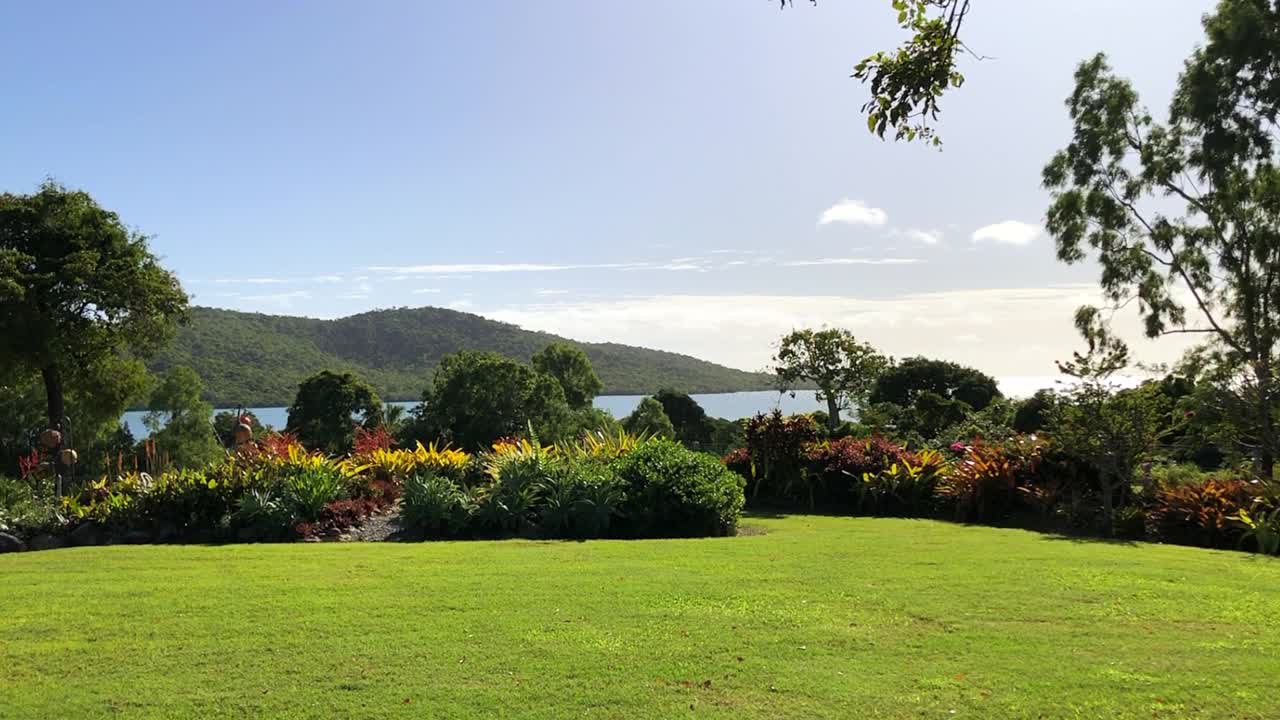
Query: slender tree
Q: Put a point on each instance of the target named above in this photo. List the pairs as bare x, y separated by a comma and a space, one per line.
1184, 216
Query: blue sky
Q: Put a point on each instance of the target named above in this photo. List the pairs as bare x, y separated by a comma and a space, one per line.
656, 173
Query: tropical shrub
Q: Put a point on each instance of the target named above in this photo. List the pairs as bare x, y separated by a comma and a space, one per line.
671, 491
312, 488
434, 505
984, 484
263, 515
1203, 514
776, 447
578, 499
838, 469
1261, 524
906, 488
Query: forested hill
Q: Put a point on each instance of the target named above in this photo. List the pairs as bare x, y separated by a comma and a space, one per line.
259, 359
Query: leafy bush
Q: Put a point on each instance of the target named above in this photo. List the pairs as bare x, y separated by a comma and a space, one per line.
434, 505
906, 488
578, 499
309, 490
984, 484
776, 446
840, 467
1203, 514
674, 492
263, 515
1262, 525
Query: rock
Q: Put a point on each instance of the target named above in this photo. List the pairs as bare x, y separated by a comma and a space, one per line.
86, 534
45, 541
9, 543
136, 537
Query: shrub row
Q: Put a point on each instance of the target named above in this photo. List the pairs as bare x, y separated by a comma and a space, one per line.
1024, 480
276, 490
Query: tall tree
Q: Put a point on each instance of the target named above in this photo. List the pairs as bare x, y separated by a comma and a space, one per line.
649, 419
477, 397
692, 426
79, 291
327, 408
1184, 216
572, 369
906, 381
844, 369
179, 421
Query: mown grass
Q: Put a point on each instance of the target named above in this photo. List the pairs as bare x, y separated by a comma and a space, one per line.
819, 617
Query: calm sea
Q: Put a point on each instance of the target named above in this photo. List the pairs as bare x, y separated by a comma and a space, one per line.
722, 405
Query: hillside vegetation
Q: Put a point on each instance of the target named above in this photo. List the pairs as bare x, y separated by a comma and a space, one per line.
259, 359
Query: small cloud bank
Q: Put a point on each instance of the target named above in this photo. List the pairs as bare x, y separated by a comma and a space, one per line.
1009, 232
853, 212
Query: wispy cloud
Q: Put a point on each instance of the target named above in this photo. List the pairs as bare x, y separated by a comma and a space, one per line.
459, 304
426, 291
926, 237
252, 281
1008, 332
1009, 232
853, 212
470, 268
327, 279
550, 291
852, 261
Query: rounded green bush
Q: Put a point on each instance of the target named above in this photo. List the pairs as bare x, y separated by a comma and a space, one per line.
672, 491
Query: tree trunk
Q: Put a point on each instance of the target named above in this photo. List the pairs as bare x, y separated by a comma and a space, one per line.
1108, 508
53, 393
833, 413
1267, 429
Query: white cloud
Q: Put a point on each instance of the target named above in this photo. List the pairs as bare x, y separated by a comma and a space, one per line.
327, 279
1019, 332
453, 269
549, 291
459, 304
279, 301
252, 281
426, 291
928, 237
853, 212
1009, 232
852, 261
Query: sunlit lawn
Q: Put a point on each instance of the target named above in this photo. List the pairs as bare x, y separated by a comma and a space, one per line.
819, 617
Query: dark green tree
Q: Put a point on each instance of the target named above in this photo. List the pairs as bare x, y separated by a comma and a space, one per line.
179, 421
571, 368
1184, 216
327, 409
844, 369
692, 426
1033, 414
478, 397
81, 295
904, 383
649, 419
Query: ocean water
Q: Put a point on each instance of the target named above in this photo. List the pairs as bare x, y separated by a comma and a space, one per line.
731, 406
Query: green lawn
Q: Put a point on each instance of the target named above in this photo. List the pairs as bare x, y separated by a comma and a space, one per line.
820, 617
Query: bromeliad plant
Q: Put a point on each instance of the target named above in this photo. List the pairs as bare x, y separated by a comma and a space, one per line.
1262, 525
906, 487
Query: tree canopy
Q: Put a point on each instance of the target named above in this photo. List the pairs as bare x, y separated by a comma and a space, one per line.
572, 369
904, 383
179, 420
649, 419
1184, 215
81, 295
843, 369
327, 408
478, 397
